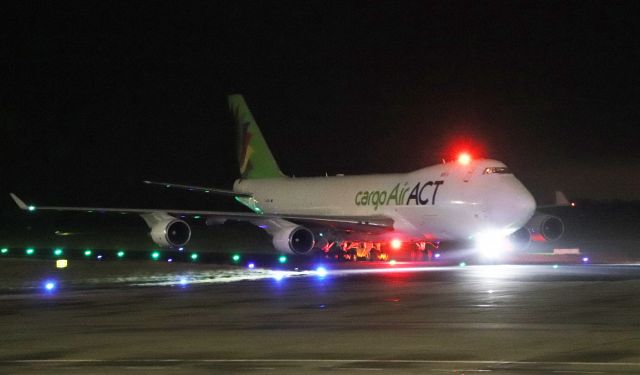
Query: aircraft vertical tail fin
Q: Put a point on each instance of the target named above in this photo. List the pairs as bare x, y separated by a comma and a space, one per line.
254, 157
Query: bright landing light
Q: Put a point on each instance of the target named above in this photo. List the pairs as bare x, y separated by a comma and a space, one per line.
321, 271
492, 243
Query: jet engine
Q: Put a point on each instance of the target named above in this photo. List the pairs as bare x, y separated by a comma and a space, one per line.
293, 239
170, 232
540, 228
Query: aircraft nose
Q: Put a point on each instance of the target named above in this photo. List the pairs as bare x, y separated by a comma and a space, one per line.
524, 205
527, 204
513, 205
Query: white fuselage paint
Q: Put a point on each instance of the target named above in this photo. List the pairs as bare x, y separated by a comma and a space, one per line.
442, 202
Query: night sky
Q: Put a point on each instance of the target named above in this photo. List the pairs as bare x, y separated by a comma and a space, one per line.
96, 97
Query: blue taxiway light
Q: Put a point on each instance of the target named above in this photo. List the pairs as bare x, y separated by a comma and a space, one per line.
50, 285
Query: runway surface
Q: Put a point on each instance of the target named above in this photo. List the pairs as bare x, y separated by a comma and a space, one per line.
151, 318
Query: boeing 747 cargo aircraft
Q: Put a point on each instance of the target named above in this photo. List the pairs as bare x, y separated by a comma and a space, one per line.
461, 200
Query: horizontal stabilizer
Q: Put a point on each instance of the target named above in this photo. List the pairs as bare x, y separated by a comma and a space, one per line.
203, 189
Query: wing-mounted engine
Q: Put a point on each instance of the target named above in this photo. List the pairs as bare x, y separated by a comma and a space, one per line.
540, 228
166, 230
287, 236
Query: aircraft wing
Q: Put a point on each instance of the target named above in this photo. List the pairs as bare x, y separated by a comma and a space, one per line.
346, 223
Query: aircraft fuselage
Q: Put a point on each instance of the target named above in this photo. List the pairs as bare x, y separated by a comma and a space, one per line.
451, 201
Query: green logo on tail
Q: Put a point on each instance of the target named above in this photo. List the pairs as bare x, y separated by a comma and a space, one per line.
254, 157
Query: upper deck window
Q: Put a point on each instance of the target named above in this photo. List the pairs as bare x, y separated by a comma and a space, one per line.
497, 170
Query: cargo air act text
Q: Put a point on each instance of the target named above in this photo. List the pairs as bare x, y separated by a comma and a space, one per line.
421, 194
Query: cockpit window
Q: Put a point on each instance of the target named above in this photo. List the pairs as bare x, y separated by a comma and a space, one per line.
498, 170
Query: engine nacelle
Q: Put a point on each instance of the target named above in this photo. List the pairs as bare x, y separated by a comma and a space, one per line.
540, 228
170, 233
293, 240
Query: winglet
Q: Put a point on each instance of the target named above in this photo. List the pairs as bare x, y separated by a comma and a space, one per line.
19, 202
561, 199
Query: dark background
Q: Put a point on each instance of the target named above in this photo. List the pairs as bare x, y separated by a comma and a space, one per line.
97, 96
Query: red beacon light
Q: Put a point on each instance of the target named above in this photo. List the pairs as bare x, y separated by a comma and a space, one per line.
464, 158
396, 244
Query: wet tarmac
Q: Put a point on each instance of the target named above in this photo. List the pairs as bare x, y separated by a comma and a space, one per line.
158, 318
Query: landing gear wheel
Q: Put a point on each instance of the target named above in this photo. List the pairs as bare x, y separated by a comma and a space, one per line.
373, 255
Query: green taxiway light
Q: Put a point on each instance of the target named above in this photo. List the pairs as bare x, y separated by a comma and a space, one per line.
155, 255
194, 256
57, 252
282, 259
4, 250
235, 257
120, 254
88, 252
30, 251
463, 264
31, 208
